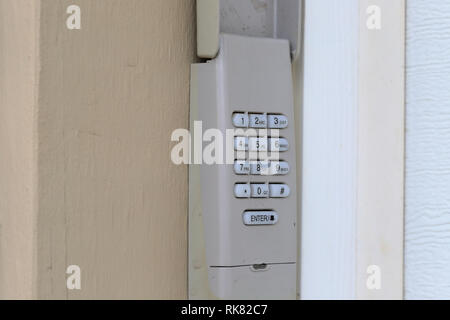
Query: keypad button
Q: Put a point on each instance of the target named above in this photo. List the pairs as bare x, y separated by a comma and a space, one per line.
279, 168
259, 168
241, 167
277, 121
279, 190
258, 218
260, 190
240, 120
241, 143
278, 144
242, 190
257, 144
258, 120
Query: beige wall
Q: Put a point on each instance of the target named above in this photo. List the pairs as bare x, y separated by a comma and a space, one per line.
107, 196
18, 137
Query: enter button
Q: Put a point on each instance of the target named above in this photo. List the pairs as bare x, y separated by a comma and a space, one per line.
260, 218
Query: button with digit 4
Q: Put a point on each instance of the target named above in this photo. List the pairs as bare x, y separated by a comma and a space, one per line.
241, 143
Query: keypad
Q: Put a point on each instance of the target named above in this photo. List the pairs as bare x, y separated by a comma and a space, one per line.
256, 144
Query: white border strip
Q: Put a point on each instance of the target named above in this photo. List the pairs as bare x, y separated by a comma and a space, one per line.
353, 150
329, 149
381, 151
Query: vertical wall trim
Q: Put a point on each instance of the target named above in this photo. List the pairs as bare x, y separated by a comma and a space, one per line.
353, 150
19, 65
381, 150
329, 149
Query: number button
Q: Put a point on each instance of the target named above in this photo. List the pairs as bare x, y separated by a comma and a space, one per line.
257, 144
279, 168
260, 190
242, 190
278, 144
258, 121
259, 168
241, 167
277, 121
240, 120
279, 190
241, 143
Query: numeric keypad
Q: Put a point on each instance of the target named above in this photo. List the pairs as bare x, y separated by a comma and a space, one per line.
255, 144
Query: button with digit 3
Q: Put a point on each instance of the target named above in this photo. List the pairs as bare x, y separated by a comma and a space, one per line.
277, 121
